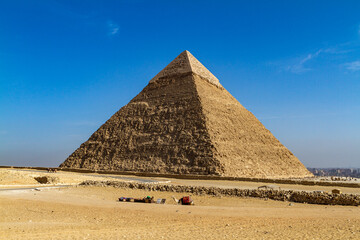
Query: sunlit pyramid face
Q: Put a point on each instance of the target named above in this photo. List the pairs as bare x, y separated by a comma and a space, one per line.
185, 122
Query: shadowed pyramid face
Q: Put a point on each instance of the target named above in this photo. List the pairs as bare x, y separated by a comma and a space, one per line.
185, 122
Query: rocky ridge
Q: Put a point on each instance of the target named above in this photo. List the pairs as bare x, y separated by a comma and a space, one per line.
278, 195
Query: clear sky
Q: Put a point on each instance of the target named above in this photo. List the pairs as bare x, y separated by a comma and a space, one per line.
67, 66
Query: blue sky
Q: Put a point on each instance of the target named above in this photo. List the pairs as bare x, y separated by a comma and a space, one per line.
67, 66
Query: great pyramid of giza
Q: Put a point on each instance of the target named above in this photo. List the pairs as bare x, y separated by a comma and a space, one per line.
185, 122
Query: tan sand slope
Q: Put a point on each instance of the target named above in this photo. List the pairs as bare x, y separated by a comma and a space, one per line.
185, 122
10, 178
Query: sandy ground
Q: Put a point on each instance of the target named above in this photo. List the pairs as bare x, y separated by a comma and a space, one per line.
94, 213
10, 178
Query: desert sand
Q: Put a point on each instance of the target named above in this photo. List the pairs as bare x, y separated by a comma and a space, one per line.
79, 212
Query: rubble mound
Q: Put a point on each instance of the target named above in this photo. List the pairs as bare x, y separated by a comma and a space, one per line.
47, 179
278, 195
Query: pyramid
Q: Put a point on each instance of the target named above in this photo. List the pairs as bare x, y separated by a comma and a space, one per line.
185, 122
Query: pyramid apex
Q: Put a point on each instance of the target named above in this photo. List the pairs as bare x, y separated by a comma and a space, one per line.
187, 63
184, 54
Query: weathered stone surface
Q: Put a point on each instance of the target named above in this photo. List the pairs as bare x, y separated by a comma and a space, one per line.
243, 145
161, 130
185, 122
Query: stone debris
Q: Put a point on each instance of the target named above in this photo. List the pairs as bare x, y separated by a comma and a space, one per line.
279, 195
336, 191
185, 122
47, 179
266, 187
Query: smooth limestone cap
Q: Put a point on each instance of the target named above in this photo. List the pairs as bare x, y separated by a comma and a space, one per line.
187, 63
